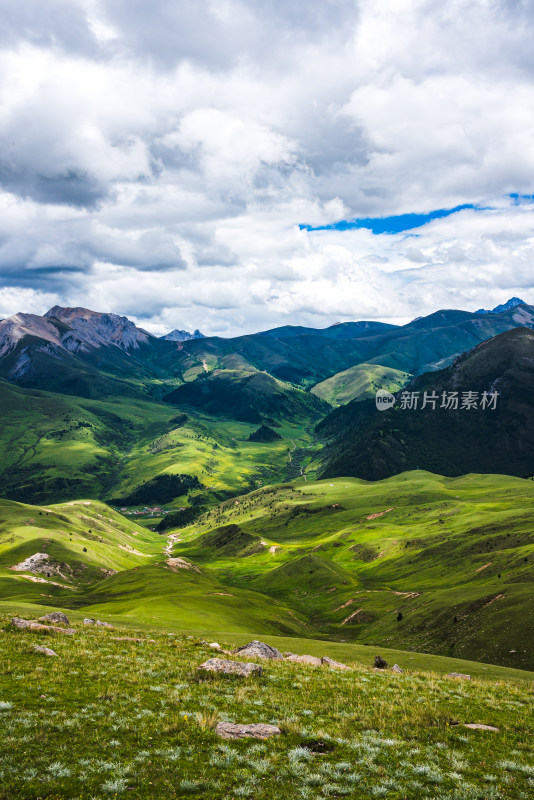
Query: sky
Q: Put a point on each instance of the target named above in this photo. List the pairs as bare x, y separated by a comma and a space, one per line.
233, 165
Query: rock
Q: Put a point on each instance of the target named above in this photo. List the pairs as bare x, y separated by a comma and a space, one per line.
31, 625
310, 660
130, 639
56, 616
97, 622
215, 646
329, 662
458, 675
257, 649
396, 668
44, 651
475, 726
241, 668
256, 730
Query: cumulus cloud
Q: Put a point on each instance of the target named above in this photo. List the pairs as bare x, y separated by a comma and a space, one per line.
158, 160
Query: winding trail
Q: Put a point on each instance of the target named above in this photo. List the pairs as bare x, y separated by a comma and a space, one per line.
171, 541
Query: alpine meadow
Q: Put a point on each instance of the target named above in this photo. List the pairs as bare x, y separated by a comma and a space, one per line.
267, 400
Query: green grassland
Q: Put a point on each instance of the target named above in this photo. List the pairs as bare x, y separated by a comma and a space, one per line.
453, 556
58, 447
116, 718
416, 562
359, 382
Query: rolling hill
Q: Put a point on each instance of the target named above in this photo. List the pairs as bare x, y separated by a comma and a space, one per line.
415, 562
371, 444
452, 556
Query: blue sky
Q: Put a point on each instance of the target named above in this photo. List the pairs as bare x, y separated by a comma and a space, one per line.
393, 224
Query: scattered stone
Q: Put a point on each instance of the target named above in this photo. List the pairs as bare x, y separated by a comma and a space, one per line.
242, 668
311, 660
215, 646
396, 668
475, 726
256, 730
329, 662
44, 651
130, 639
458, 675
97, 622
56, 616
257, 649
30, 624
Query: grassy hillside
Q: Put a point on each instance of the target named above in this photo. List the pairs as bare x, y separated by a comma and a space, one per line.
130, 718
453, 556
359, 382
370, 444
58, 447
415, 562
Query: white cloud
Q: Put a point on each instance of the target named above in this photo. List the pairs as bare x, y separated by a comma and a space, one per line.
157, 161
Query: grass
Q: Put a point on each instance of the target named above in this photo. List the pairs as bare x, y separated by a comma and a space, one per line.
112, 718
453, 555
58, 447
415, 563
359, 382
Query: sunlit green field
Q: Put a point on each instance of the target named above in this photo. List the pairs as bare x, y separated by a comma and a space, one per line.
110, 718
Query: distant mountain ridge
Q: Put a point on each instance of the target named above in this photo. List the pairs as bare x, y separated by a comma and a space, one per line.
370, 444
511, 303
87, 353
182, 336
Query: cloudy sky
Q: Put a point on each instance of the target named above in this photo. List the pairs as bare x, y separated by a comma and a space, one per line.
238, 164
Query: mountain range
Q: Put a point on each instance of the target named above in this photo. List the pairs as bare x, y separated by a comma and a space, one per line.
94, 405
372, 444
182, 336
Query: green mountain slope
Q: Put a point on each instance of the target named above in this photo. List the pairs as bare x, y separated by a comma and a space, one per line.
453, 555
360, 382
247, 397
372, 444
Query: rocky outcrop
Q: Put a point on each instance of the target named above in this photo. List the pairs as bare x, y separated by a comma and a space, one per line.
243, 669
44, 651
56, 616
312, 661
459, 675
97, 622
255, 730
329, 662
32, 625
258, 649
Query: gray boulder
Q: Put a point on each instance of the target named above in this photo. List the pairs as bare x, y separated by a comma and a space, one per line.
255, 730
312, 661
329, 662
97, 622
241, 668
257, 649
458, 675
475, 726
32, 625
44, 651
396, 668
56, 616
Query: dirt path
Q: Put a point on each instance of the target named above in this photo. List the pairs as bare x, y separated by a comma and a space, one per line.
171, 541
